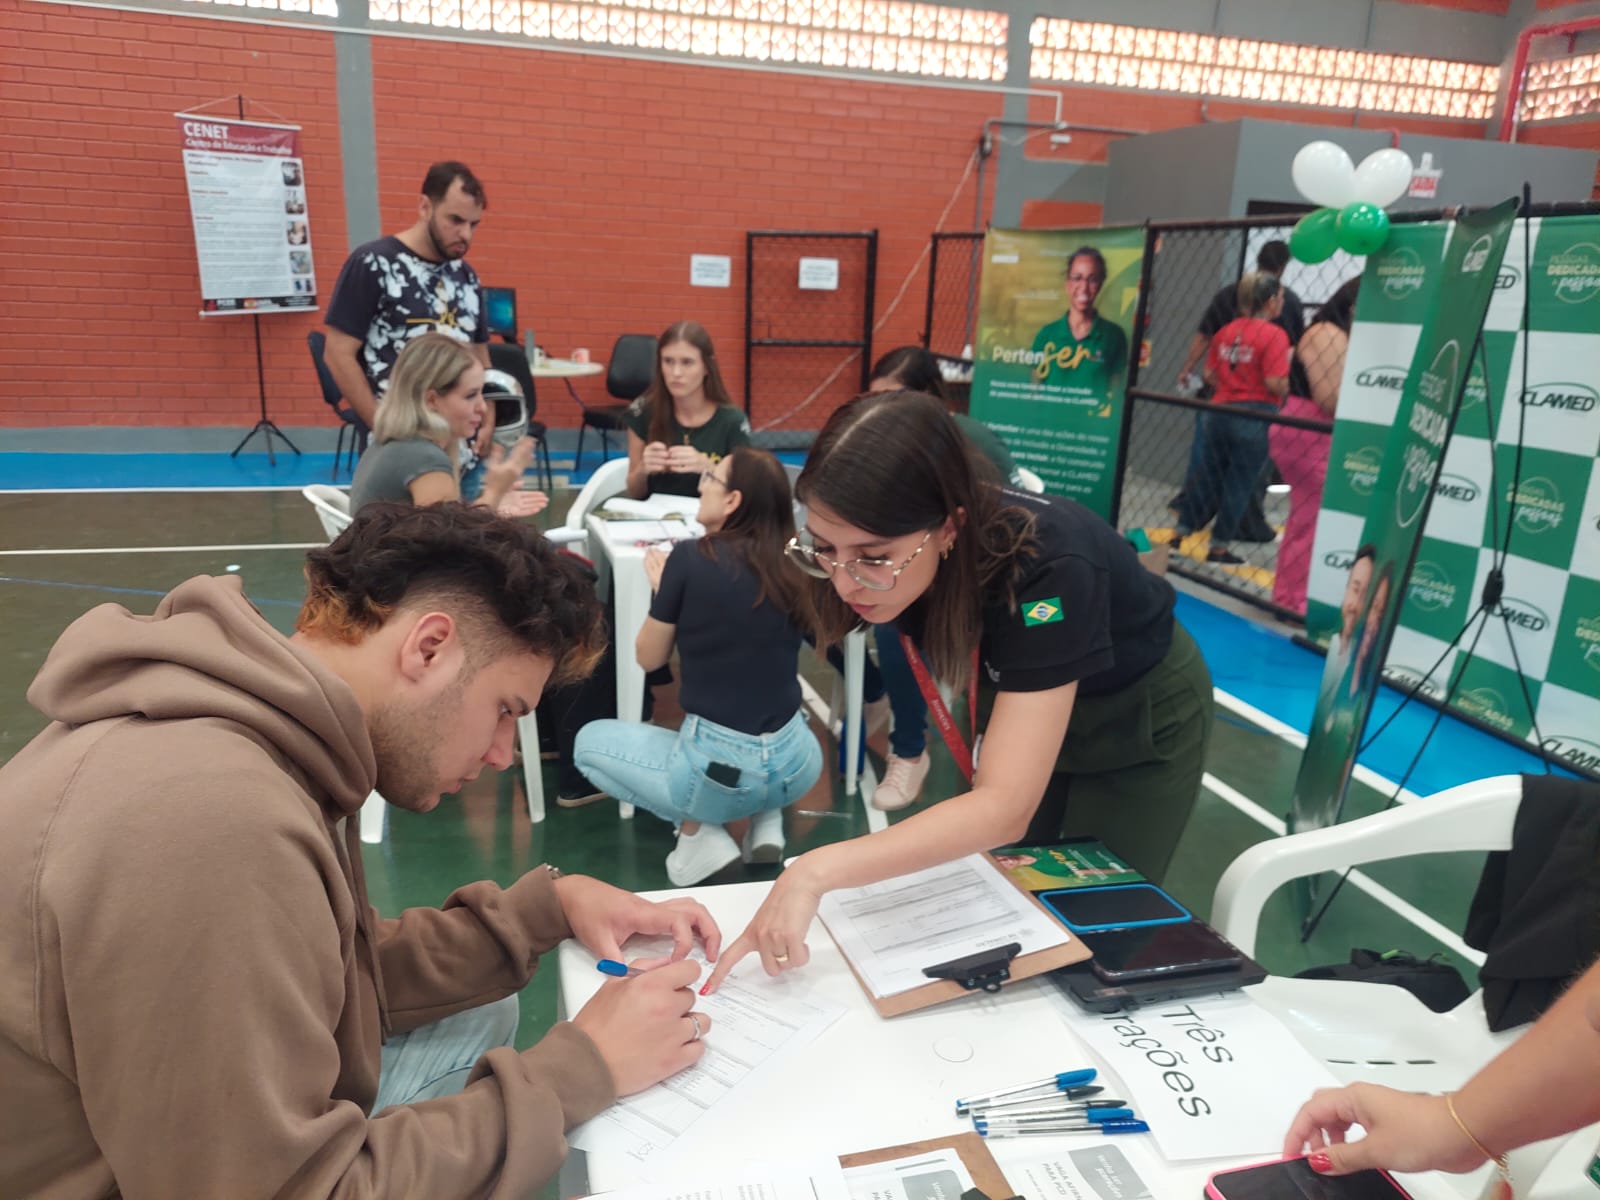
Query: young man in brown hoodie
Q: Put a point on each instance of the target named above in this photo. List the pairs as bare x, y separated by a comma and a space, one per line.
194, 991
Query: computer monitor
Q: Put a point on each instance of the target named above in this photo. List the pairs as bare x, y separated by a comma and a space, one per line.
500, 311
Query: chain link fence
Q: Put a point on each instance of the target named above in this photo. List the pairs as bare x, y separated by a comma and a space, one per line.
809, 301
1233, 488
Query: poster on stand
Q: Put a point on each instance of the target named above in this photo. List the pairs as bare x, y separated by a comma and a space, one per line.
1054, 328
1412, 452
247, 200
1547, 640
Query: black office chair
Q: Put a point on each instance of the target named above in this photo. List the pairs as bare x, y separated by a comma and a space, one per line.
508, 357
633, 363
350, 420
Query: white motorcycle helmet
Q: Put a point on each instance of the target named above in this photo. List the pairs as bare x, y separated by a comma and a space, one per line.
506, 406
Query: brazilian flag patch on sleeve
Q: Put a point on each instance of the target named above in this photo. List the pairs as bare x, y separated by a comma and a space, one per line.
1041, 612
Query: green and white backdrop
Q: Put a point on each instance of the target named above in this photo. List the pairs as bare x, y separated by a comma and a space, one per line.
1552, 574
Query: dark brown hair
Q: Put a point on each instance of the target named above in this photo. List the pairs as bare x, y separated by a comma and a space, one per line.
436, 183
759, 529
663, 421
1340, 309
894, 463
915, 370
506, 587
1273, 256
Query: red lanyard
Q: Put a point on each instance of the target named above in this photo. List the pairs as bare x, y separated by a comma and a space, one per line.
959, 749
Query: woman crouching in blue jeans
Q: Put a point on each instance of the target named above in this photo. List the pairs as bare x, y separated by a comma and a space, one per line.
734, 609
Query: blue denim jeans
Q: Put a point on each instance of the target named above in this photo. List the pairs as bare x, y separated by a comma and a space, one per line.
909, 737
435, 1059
1226, 463
664, 772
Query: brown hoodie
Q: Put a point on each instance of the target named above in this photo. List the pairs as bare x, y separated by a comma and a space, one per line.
189, 999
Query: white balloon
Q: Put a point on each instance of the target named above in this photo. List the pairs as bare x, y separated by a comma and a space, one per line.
1383, 177
1324, 174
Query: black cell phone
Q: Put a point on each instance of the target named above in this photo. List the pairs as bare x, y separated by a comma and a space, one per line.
1086, 910
1154, 951
1295, 1180
724, 773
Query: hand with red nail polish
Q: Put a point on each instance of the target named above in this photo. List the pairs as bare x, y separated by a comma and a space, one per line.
1404, 1132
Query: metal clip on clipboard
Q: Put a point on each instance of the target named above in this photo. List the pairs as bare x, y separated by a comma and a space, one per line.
984, 971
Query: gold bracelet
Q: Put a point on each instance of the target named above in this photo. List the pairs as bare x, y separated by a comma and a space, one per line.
1499, 1160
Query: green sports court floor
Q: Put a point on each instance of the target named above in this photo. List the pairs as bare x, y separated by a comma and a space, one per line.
63, 552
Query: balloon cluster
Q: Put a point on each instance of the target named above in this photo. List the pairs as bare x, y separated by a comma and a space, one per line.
1353, 199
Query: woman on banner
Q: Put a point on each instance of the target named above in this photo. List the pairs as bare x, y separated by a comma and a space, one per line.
1099, 702
1302, 454
685, 423
435, 399
1082, 352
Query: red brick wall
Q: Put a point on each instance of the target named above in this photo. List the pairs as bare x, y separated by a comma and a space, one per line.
103, 292
604, 176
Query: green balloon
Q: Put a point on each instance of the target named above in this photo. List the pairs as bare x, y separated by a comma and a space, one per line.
1316, 237
1363, 228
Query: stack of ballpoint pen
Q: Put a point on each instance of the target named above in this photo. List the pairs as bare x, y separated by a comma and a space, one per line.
1056, 1105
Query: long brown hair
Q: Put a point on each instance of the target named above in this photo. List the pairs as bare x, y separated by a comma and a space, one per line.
759, 529
894, 463
663, 421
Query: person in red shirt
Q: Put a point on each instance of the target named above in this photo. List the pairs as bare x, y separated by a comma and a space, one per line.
1248, 366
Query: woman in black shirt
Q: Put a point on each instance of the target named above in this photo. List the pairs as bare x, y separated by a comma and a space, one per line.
685, 423
1034, 596
734, 608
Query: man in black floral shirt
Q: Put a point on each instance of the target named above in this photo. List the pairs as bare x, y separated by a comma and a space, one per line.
395, 288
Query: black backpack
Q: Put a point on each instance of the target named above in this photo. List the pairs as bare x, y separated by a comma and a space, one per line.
1436, 984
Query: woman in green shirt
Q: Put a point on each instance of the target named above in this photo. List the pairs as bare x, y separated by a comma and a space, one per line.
685, 423
1082, 353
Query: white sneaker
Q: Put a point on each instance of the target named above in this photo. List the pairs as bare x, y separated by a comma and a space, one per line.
699, 856
902, 783
763, 841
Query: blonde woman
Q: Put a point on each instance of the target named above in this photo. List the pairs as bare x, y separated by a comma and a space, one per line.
434, 400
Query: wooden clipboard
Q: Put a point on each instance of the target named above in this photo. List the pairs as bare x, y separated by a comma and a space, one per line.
937, 991
975, 1156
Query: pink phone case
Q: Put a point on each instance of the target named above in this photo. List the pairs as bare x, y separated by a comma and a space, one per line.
1215, 1193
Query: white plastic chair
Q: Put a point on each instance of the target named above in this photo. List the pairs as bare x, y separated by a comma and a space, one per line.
332, 505
610, 479
1385, 1034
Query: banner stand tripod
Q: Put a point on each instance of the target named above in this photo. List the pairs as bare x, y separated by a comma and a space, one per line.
263, 426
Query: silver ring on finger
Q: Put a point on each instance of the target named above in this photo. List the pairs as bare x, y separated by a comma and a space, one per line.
694, 1019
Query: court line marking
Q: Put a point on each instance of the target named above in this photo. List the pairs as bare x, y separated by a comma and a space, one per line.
1399, 905
115, 491
258, 601
165, 549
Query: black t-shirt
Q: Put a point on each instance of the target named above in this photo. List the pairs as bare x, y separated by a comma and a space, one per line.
386, 295
1085, 608
1224, 307
739, 659
725, 432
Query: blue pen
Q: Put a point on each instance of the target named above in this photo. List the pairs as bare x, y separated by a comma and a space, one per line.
1046, 1117
1043, 1104
617, 970
1110, 1127
1064, 1081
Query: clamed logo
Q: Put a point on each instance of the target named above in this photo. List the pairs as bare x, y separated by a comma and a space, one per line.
1575, 750
1401, 273
1410, 679
1391, 379
1574, 274
1456, 487
1561, 397
1339, 560
1524, 615
1507, 278
1538, 504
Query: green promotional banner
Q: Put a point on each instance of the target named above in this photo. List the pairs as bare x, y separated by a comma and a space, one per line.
1055, 323
1396, 500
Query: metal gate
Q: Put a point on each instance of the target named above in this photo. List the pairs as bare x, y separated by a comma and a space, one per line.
808, 306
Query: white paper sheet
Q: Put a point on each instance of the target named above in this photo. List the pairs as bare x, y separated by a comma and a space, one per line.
630, 531
756, 1023
936, 1175
819, 1178
891, 930
1108, 1170
1215, 1077
655, 506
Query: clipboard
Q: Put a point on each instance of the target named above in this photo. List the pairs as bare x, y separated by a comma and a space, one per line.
986, 972
969, 1147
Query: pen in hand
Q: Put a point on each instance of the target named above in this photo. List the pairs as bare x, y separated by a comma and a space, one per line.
617, 970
